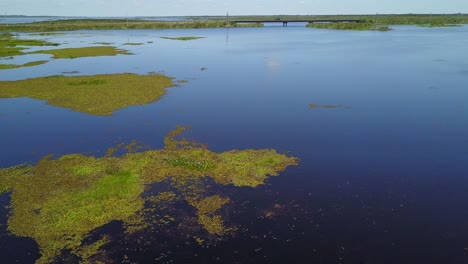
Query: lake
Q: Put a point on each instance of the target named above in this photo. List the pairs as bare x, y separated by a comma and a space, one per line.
378, 120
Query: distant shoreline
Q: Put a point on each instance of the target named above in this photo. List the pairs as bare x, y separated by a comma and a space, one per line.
187, 22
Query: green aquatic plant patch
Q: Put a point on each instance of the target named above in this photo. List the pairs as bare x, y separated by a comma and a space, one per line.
58, 202
73, 53
96, 95
29, 64
12, 46
182, 38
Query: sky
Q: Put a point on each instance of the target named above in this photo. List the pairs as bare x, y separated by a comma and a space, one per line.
219, 7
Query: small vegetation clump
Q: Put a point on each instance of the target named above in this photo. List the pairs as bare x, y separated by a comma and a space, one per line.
132, 44
182, 38
96, 95
58, 202
328, 106
206, 212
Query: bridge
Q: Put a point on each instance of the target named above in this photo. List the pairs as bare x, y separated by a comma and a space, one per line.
310, 21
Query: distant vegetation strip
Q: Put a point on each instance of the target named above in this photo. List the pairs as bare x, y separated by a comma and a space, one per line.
108, 24
220, 22
387, 19
349, 26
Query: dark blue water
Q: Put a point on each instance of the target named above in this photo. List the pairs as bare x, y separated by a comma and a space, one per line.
384, 180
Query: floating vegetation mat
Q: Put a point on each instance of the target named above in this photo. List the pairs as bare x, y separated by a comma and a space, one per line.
59, 202
29, 64
182, 38
73, 53
132, 44
96, 95
12, 46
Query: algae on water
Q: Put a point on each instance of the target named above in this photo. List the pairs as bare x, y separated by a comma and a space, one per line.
96, 95
58, 202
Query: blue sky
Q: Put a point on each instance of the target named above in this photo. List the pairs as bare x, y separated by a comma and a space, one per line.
219, 7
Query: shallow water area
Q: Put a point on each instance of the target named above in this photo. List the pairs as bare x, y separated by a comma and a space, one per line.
381, 180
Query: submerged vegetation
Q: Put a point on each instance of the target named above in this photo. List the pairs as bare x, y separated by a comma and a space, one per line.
182, 38
58, 202
96, 95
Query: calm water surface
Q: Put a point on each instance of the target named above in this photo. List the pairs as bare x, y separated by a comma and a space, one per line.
383, 180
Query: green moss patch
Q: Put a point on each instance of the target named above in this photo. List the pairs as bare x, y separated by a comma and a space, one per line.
58, 202
182, 38
73, 53
96, 95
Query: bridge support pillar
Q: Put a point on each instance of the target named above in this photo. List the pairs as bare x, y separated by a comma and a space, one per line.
285, 24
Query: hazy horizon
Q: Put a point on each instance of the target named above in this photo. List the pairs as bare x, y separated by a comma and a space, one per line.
135, 8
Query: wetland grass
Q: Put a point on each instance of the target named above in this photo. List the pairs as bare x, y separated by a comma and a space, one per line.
96, 95
58, 202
